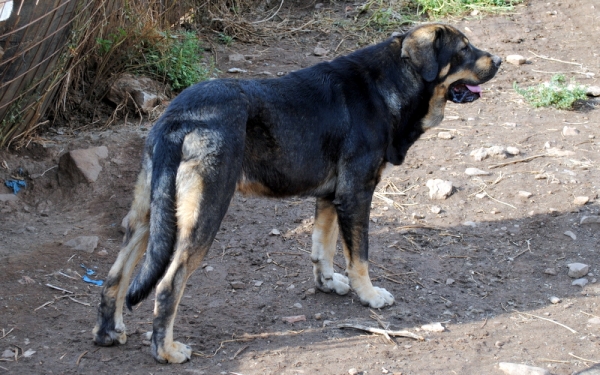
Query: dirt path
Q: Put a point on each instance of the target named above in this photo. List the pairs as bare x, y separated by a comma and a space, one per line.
481, 265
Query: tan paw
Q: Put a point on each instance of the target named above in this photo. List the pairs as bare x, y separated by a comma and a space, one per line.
174, 353
377, 297
337, 283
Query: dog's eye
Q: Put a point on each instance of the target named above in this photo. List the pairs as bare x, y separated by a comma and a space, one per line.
465, 49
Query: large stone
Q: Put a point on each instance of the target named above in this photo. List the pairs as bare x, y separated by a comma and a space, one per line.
139, 93
83, 243
577, 270
81, 165
519, 369
8, 198
439, 189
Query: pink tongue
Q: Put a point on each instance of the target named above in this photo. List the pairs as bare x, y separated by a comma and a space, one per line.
475, 89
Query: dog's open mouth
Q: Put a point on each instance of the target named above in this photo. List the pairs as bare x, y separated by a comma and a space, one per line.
463, 93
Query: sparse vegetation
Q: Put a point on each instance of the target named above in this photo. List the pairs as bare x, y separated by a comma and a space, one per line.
556, 93
444, 8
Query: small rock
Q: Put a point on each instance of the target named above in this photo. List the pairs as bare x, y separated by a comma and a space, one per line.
524, 194
436, 209
479, 154
78, 166
138, 93
275, 232
581, 201
570, 234
554, 300
595, 320
590, 220
516, 59
318, 316
551, 271
433, 327
294, 319
146, 342
298, 305
353, 371
238, 285
310, 292
319, 51
580, 282
103, 253
577, 270
445, 135
470, 224
209, 268
439, 189
476, 172
513, 151
8, 354
236, 70
518, 369
236, 57
449, 281
83, 243
593, 91
569, 131
499, 344
258, 283
553, 151
28, 353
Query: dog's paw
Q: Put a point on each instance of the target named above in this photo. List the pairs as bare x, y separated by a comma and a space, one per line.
109, 337
176, 352
337, 283
377, 297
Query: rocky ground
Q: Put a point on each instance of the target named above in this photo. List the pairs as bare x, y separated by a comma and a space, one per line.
482, 276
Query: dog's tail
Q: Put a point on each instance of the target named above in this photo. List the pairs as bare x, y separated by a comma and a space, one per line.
165, 147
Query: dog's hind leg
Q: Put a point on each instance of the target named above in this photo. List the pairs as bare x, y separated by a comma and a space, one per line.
324, 239
110, 328
205, 184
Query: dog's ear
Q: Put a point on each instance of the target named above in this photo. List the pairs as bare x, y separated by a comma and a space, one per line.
420, 48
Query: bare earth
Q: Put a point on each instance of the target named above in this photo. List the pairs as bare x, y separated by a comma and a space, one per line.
497, 308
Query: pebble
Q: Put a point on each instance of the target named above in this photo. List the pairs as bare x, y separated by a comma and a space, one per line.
436, 209
476, 172
580, 282
439, 189
470, 224
318, 316
554, 300
209, 268
519, 369
83, 243
102, 253
524, 194
236, 57
310, 291
257, 283
433, 327
445, 135
593, 91
294, 319
236, 70
8, 354
319, 51
595, 320
516, 59
298, 305
570, 234
577, 270
513, 151
275, 232
449, 281
570, 131
590, 220
551, 271
353, 371
499, 344
238, 285
581, 201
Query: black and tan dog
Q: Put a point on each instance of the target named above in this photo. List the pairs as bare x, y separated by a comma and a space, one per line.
326, 131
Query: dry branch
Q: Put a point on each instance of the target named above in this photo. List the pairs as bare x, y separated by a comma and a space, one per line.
379, 331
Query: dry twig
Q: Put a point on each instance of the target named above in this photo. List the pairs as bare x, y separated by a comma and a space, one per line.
379, 331
548, 320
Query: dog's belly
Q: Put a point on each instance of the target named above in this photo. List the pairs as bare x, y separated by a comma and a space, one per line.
285, 187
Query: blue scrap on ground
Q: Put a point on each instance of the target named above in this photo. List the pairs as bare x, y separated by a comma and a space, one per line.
15, 185
90, 272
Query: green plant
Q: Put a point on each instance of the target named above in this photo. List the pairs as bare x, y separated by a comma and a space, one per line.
442, 8
113, 39
225, 39
556, 93
177, 57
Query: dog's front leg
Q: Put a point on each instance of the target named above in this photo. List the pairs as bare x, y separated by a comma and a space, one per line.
324, 239
353, 216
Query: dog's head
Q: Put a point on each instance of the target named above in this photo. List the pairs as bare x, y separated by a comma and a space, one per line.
445, 58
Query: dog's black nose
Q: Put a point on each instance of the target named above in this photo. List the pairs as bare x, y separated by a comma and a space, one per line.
497, 60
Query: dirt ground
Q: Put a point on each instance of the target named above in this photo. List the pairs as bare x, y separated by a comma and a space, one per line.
479, 266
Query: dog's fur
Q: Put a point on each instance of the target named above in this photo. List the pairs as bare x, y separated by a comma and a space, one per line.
326, 131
